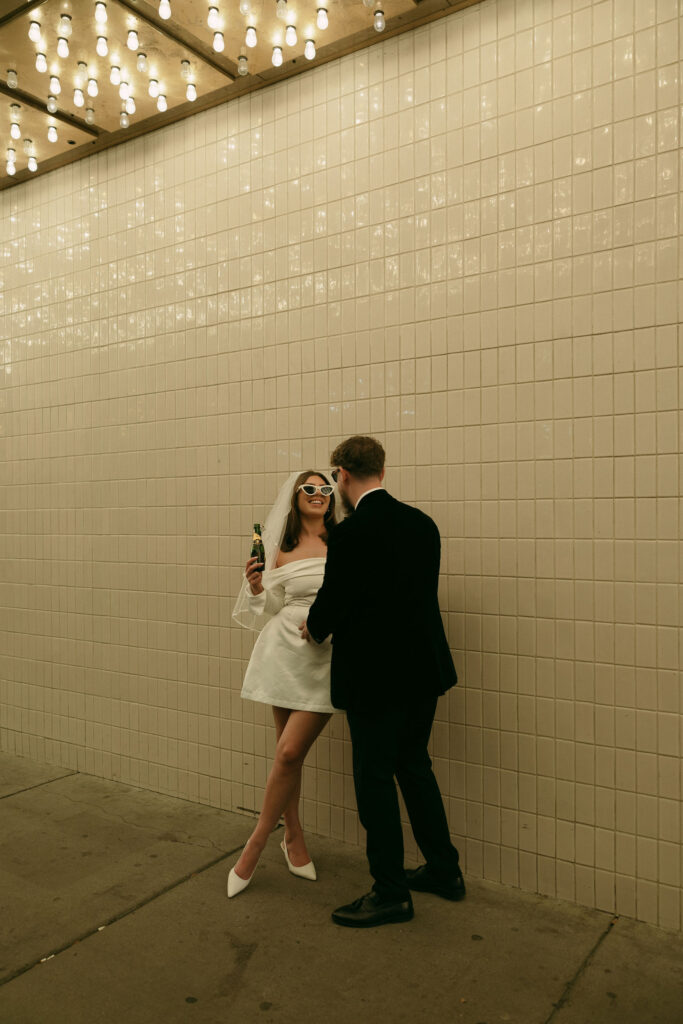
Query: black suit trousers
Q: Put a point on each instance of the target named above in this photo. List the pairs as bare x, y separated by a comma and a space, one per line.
387, 745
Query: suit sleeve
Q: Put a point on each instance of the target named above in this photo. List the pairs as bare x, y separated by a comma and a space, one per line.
331, 605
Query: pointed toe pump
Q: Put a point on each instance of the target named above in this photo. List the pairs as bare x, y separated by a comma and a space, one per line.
236, 885
305, 871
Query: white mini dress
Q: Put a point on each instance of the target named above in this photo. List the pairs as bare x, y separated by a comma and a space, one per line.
285, 670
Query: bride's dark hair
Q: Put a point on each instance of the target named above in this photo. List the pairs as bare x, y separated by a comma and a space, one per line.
293, 525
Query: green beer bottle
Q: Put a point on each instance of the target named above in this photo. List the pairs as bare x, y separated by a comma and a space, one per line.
257, 548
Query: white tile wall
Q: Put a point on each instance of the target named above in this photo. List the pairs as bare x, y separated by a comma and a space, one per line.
465, 240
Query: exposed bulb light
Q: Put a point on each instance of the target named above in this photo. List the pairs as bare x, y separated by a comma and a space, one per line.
251, 38
162, 105
322, 21
245, 7
191, 92
132, 42
290, 35
32, 164
115, 75
41, 62
141, 63
123, 119
92, 87
15, 130
242, 64
65, 25
277, 56
11, 165
55, 86
51, 133
218, 42
79, 98
81, 73
281, 9
11, 169
164, 9
379, 20
100, 13
369, 4
214, 19
28, 146
102, 46
12, 79
185, 70
309, 50
130, 105
153, 88
34, 31
89, 115
62, 48
52, 104
124, 90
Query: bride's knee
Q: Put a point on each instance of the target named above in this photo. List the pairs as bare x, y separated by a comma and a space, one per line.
289, 755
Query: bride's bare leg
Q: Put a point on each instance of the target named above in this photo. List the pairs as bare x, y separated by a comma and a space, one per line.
298, 732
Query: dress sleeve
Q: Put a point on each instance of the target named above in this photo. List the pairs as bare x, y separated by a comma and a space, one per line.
269, 602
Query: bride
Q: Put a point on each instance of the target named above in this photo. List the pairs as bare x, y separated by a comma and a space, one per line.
285, 671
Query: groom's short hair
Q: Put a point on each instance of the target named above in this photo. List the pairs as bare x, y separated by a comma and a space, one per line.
361, 456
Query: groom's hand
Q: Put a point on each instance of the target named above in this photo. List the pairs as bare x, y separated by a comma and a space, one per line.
305, 635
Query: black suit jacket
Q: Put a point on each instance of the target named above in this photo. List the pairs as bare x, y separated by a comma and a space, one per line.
379, 601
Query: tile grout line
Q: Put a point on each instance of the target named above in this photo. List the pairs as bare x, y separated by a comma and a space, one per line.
569, 987
27, 789
117, 917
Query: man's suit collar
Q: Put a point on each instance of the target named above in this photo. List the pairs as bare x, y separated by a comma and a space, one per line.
371, 498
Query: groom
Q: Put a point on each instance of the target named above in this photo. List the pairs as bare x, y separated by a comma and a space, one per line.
390, 662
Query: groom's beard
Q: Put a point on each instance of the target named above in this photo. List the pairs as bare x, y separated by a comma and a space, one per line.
348, 507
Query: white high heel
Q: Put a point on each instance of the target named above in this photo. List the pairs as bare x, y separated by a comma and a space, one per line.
236, 885
305, 871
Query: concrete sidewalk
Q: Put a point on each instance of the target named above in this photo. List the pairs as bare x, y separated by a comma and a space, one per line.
114, 910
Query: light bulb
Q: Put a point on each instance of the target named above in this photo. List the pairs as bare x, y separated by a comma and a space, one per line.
322, 21
51, 133
153, 88
79, 98
62, 48
132, 41
12, 79
290, 35
123, 119
124, 90
52, 104
369, 4
191, 92
277, 56
162, 105
28, 146
379, 21
251, 39
141, 63
55, 86
213, 20
100, 13
185, 70
309, 49
65, 25
245, 7
102, 46
11, 168
130, 105
281, 9
41, 62
81, 73
15, 130
115, 75
34, 31
242, 65
89, 115
92, 87
218, 42
164, 9
32, 164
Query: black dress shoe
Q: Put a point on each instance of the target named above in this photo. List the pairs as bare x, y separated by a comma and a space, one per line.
370, 910
423, 880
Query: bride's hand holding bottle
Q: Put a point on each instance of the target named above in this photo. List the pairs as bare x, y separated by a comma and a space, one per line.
254, 574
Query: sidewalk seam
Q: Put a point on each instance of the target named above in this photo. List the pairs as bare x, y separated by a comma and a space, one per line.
27, 789
117, 917
569, 987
